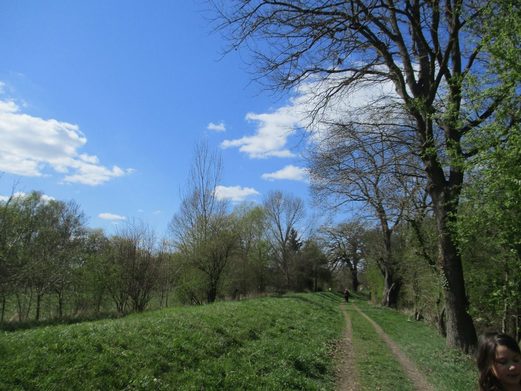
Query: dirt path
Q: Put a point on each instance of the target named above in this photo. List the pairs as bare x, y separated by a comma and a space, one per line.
346, 374
421, 384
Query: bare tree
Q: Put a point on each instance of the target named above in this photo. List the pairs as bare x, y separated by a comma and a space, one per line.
204, 233
365, 164
134, 266
425, 50
283, 213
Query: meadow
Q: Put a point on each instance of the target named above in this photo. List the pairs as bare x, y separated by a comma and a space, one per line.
261, 344
271, 343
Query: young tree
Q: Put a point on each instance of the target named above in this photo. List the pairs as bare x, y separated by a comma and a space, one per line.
204, 233
140, 264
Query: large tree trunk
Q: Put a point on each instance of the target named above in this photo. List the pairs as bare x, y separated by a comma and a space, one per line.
459, 325
354, 278
392, 280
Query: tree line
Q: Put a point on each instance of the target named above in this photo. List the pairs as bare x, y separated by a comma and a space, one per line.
53, 266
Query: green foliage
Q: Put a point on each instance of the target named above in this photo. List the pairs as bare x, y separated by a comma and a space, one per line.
40, 250
415, 246
502, 29
488, 225
312, 268
266, 344
375, 282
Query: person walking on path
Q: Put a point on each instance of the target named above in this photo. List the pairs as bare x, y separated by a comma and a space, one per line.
346, 295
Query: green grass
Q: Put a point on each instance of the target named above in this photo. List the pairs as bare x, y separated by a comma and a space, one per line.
263, 344
282, 343
376, 364
446, 369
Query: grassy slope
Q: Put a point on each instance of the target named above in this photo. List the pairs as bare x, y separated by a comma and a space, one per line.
270, 344
446, 369
265, 344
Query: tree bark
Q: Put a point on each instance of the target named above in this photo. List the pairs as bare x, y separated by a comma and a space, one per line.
392, 280
354, 279
459, 325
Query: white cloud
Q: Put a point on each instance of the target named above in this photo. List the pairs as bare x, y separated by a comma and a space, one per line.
274, 128
111, 216
272, 133
216, 127
32, 144
291, 172
234, 193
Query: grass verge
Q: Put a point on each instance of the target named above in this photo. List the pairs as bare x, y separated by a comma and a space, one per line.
263, 344
446, 369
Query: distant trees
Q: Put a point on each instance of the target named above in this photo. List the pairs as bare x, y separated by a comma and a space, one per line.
283, 213
314, 272
367, 165
53, 266
345, 248
40, 250
251, 266
93, 278
135, 266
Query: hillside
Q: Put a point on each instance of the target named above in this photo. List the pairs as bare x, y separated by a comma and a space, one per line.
283, 343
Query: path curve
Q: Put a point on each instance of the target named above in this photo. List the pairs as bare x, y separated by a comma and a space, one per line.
346, 373
418, 379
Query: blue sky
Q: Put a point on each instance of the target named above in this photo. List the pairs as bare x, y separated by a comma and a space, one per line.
102, 102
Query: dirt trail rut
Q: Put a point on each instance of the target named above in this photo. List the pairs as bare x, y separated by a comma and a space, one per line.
419, 381
347, 376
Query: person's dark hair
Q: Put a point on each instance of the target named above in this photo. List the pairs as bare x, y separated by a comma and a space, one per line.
488, 343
